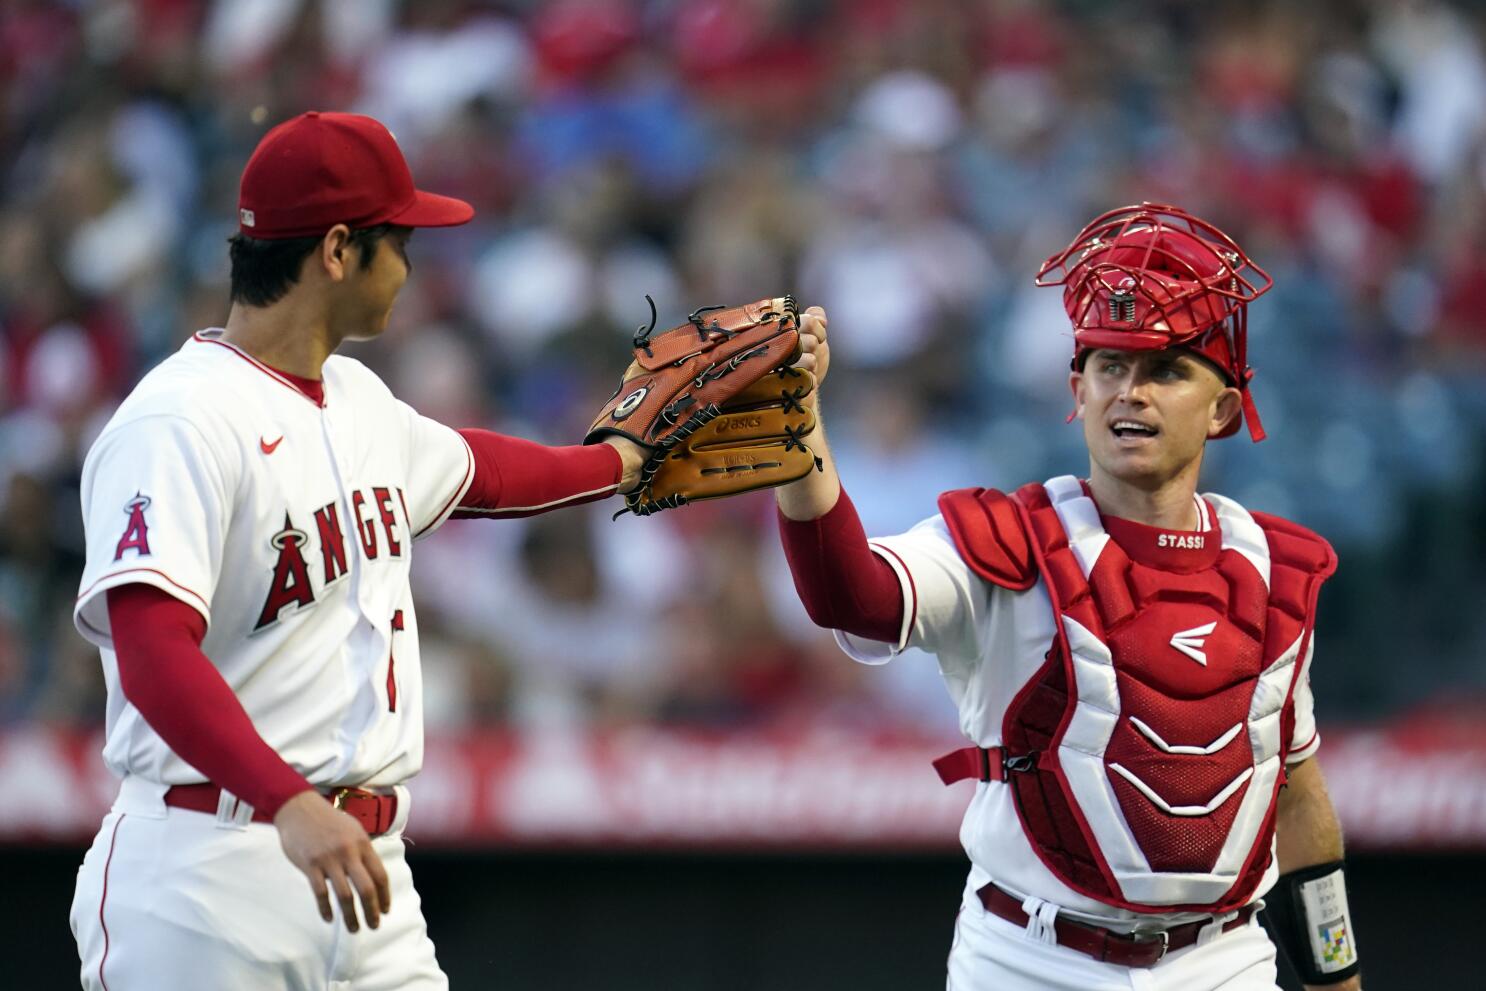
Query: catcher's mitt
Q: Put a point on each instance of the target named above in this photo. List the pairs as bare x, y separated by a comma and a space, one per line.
716, 404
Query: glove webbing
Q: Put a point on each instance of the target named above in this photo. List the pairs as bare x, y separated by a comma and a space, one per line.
642, 334
711, 373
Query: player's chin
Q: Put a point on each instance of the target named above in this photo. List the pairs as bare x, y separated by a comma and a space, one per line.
1134, 463
371, 329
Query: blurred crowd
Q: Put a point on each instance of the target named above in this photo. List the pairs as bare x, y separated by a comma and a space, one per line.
905, 163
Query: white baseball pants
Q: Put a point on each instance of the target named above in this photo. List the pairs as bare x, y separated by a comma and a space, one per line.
169, 900
992, 954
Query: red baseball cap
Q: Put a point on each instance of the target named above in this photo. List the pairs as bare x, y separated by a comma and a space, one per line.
321, 169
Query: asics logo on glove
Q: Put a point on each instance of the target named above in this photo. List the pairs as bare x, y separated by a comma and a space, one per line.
739, 423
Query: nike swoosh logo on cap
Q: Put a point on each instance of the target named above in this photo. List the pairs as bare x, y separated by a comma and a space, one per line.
268, 448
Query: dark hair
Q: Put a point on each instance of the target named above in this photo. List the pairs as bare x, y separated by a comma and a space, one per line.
264, 270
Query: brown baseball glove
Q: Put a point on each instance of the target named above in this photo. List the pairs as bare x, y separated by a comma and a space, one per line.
716, 404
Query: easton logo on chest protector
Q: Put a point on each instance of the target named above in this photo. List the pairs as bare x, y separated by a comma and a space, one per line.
1141, 779
1190, 642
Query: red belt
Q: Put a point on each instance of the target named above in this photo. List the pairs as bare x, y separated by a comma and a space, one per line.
374, 812
1104, 944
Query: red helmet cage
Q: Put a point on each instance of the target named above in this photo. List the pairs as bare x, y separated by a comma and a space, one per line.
1150, 277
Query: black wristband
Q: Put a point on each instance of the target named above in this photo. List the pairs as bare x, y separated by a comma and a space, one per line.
1307, 910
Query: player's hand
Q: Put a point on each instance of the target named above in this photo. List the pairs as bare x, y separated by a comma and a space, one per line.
815, 353
333, 851
632, 455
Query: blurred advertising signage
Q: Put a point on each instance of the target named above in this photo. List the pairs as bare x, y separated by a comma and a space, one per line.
653, 787
1412, 784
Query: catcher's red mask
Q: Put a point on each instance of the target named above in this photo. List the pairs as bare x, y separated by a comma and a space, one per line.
1150, 277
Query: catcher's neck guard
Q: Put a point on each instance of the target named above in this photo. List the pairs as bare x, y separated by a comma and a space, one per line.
1150, 277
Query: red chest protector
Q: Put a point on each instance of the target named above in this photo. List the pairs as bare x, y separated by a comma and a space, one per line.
1146, 754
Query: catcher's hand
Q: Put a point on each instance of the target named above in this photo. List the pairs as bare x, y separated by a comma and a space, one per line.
715, 405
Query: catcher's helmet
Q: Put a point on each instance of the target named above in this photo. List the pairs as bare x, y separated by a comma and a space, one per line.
1148, 277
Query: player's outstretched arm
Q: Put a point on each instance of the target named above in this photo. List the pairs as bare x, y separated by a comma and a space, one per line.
813, 496
841, 582
514, 477
332, 849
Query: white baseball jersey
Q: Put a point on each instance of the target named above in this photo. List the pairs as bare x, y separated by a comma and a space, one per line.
989, 642
289, 526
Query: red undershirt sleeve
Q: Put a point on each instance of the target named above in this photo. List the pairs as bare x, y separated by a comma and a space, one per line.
842, 583
185, 699
515, 477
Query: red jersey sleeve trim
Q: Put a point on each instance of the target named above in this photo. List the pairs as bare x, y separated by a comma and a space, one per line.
198, 601
910, 615
464, 484
109, 581
1298, 754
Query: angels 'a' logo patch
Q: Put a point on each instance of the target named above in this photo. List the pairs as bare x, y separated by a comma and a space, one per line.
137, 533
291, 575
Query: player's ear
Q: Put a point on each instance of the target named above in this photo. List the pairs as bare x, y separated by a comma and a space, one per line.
1227, 404
336, 252
1076, 386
